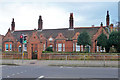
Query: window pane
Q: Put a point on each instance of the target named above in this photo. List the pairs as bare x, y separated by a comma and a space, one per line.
89, 48
6, 47
43, 47
59, 47
97, 48
50, 39
77, 47
10, 47
50, 46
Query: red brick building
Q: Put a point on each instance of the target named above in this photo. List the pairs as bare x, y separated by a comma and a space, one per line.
61, 40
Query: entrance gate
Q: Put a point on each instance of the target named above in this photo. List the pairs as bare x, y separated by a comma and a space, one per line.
35, 53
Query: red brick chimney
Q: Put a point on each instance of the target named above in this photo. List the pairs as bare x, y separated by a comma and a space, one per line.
101, 24
13, 25
71, 21
40, 23
107, 19
8, 29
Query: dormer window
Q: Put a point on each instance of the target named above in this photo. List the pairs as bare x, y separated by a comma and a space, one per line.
50, 39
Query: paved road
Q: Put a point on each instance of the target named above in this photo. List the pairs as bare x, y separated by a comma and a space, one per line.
58, 72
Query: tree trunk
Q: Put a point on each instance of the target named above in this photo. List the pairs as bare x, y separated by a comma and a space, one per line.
83, 48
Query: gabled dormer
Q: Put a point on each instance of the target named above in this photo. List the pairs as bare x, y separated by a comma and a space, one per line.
60, 36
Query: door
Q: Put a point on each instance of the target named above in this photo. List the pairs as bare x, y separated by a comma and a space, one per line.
34, 54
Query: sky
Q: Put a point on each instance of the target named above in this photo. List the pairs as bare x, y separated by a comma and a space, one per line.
55, 14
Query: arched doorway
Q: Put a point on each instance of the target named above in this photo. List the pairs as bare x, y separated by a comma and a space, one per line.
34, 46
34, 51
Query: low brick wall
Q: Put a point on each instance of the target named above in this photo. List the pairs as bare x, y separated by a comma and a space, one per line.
63, 56
13, 56
77, 56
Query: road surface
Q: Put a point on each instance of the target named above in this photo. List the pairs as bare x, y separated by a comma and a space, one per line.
36, 72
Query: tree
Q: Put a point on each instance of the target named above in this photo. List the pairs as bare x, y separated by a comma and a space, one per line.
84, 39
102, 41
107, 47
114, 40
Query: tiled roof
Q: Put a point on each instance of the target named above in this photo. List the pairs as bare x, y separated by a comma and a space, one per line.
54, 32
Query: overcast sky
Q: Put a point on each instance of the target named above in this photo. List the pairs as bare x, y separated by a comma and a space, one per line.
54, 14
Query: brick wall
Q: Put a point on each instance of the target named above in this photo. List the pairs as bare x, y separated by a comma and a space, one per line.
13, 56
75, 56
69, 46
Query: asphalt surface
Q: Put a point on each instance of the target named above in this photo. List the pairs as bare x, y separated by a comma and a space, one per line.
58, 73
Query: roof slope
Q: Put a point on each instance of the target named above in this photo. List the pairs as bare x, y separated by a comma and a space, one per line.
54, 32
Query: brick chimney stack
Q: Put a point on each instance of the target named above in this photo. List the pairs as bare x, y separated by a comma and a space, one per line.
71, 21
101, 24
40, 23
107, 19
13, 25
8, 29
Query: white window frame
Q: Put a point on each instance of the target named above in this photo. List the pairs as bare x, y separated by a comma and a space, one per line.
59, 46
50, 45
50, 39
104, 50
5, 47
101, 49
10, 47
97, 48
43, 47
77, 47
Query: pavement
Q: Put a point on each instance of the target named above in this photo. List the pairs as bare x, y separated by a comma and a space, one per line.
100, 63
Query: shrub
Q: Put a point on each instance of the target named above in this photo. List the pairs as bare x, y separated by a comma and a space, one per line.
49, 49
